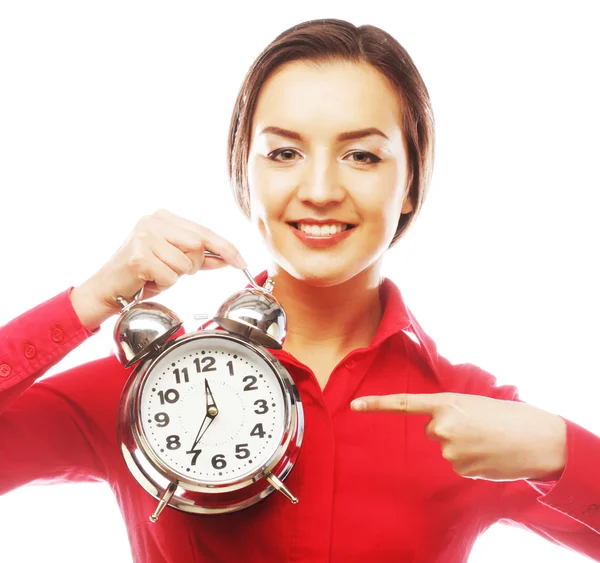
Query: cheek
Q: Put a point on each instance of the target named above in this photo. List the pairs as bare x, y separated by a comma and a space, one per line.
257, 188
267, 193
380, 197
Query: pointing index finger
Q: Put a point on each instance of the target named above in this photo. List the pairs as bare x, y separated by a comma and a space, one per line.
406, 403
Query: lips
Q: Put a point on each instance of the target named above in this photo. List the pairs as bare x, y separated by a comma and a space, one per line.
321, 229
321, 233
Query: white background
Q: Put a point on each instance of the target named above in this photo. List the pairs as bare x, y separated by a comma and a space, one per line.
111, 110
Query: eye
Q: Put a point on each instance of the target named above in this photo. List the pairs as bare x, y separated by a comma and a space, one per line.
364, 157
287, 154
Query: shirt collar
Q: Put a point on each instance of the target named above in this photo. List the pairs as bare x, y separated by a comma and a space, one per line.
396, 318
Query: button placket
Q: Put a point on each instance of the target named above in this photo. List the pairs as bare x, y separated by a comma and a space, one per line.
339, 391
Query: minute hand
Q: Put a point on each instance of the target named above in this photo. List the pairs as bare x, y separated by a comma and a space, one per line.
203, 428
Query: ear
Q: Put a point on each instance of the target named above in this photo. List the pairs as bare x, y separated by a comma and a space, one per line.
407, 205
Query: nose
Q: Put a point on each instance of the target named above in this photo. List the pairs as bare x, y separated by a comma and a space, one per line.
320, 183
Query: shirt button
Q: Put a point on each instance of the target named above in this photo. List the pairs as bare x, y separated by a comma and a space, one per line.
57, 335
29, 351
4, 370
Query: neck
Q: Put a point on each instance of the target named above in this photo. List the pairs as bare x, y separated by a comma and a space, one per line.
335, 319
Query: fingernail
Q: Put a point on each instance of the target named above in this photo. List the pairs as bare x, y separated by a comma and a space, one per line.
241, 263
359, 405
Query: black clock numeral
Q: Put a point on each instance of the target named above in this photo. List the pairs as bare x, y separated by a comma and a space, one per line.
262, 406
162, 419
169, 396
195, 453
218, 461
242, 451
186, 377
250, 386
208, 360
173, 442
230, 366
258, 431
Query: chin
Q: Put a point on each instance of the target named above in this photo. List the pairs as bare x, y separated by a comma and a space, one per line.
320, 279
321, 272
325, 267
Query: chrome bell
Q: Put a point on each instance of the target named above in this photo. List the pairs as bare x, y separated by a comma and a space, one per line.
142, 328
254, 314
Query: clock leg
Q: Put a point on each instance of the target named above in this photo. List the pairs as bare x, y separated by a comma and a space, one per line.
281, 487
169, 491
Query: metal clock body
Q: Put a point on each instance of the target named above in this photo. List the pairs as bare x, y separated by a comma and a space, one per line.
256, 431
209, 422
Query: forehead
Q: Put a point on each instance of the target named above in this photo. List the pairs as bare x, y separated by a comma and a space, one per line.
325, 98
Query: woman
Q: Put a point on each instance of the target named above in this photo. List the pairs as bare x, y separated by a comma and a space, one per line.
406, 457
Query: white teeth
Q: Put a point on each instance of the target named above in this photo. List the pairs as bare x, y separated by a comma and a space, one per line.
321, 230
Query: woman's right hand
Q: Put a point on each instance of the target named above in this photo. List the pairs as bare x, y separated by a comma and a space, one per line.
161, 248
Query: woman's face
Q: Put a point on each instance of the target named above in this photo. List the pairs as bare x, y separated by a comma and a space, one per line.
327, 169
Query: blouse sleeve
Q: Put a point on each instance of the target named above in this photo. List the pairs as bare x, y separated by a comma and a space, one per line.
565, 511
44, 433
35, 341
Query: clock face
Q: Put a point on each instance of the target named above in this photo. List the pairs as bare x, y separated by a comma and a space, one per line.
213, 410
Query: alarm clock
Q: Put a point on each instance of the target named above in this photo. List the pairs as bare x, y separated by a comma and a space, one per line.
210, 421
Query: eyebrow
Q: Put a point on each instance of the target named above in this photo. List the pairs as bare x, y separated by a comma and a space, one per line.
346, 136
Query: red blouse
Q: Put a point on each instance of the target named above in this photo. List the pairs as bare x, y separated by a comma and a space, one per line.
371, 487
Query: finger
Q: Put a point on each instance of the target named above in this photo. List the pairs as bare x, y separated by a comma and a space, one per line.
430, 431
218, 245
402, 403
204, 237
191, 243
210, 263
178, 261
158, 272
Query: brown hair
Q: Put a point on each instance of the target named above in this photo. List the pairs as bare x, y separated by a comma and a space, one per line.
327, 40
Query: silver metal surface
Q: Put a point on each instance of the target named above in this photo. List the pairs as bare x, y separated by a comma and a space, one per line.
253, 313
168, 494
194, 495
256, 315
281, 488
253, 319
141, 328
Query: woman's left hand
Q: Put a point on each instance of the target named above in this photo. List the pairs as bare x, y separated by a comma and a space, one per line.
482, 437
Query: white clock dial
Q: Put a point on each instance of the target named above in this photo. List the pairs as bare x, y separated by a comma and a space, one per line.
213, 410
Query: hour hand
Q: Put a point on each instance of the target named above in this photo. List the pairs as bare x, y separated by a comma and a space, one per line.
211, 406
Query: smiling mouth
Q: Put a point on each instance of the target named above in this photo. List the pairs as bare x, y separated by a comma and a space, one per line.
325, 230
